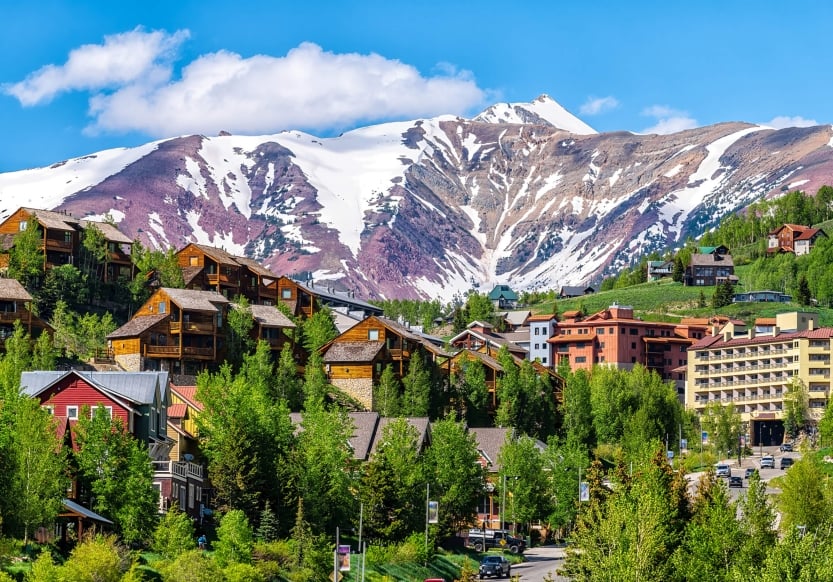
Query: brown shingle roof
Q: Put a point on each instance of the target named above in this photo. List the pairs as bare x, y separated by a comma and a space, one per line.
137, 326
110, 232
489, 443
195, 300
352, 351
700, 260
218, 255
12, 289
270, 316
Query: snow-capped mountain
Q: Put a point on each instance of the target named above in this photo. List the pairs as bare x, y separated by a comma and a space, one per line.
524, 194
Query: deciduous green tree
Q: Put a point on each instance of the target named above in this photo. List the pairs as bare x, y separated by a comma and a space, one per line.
454, 473
174, 535
26, 260
116, 469
235, 539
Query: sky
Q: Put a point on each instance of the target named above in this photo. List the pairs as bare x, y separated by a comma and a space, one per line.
81, 76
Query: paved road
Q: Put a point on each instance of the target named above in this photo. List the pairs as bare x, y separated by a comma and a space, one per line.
539, 562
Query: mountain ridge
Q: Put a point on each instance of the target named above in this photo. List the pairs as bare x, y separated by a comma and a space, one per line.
433, 207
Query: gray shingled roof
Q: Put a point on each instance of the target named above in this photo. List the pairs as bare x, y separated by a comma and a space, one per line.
218, 255
110, 232
194, 300
420, 423
489, 443
270, 316
361, 351
12, 289
705, 260
256, 267
137, 326
54, 220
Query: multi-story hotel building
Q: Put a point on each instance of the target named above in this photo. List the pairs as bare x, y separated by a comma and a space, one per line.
751, 370
614, 337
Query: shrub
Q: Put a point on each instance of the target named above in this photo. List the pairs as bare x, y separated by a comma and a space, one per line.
192, 566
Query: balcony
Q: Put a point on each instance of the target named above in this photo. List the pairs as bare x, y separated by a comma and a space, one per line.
201, 326
182, 469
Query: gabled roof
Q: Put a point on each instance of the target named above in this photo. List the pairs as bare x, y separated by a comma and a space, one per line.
195, 300
256, 267
178, 410
12, 289
54, 220
543, 317
575, 291
503, 292
219, 255
110, 232
137, 326
135, 387
420, 423
188, 394
809, 234
358, 351
707, 260
270, 316
516, 318
489, 443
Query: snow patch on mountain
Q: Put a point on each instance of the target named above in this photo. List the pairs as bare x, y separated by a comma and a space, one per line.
543, 109
676, 206
48, 187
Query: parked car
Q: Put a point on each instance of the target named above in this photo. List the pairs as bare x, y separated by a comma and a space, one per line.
735, 481
787, 462
767, 462
494, 538
749, 472
723, 470
495, 565
787, 448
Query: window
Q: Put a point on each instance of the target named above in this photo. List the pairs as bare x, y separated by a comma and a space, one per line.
633, 345
373, 335
22, 225
107, 410
601, 345
634, 331
67, 237
623, 330
191, 495
537, 346
544, 360
72, 412
50, 409
610, 330
633, 360
161, 307
580, 359
194, 261
152, 420
682, 349
600, 331
537, 331
286, 293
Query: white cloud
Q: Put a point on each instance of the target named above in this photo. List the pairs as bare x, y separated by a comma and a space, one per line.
308, 88
597, 105
668, 120
124, 58
783, 121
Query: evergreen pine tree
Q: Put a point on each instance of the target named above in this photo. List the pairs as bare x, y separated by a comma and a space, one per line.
268, 530
804, 296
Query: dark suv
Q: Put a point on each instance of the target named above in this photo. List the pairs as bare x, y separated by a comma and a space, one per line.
495, 538
495, 565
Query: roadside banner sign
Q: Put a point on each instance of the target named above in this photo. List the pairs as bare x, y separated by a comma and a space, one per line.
344, 558
584, 491
683, 444
433, 512
704, 436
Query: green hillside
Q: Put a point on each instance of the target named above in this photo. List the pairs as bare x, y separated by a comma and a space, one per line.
667, 300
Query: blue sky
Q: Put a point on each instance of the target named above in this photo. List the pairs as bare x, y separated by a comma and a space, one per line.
80, 76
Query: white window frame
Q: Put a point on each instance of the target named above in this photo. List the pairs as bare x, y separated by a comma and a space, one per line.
373, 335
72, 416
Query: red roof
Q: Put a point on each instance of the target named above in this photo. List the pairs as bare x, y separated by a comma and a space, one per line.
188, 394
177, 410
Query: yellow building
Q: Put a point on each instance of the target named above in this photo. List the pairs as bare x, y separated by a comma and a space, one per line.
752, 368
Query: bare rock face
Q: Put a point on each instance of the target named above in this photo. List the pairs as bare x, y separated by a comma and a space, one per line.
435, 207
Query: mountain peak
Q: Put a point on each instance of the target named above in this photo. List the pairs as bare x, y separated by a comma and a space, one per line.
544, 110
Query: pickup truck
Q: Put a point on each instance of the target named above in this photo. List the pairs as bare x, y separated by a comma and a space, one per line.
496, 566
494, 538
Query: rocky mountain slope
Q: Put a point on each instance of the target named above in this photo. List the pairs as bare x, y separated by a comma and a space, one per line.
524, 194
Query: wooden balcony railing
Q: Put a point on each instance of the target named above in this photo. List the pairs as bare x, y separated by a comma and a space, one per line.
192, 326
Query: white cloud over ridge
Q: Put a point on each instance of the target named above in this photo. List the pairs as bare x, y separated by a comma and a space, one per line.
133, 88
783, 121
668, 120
597, 105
